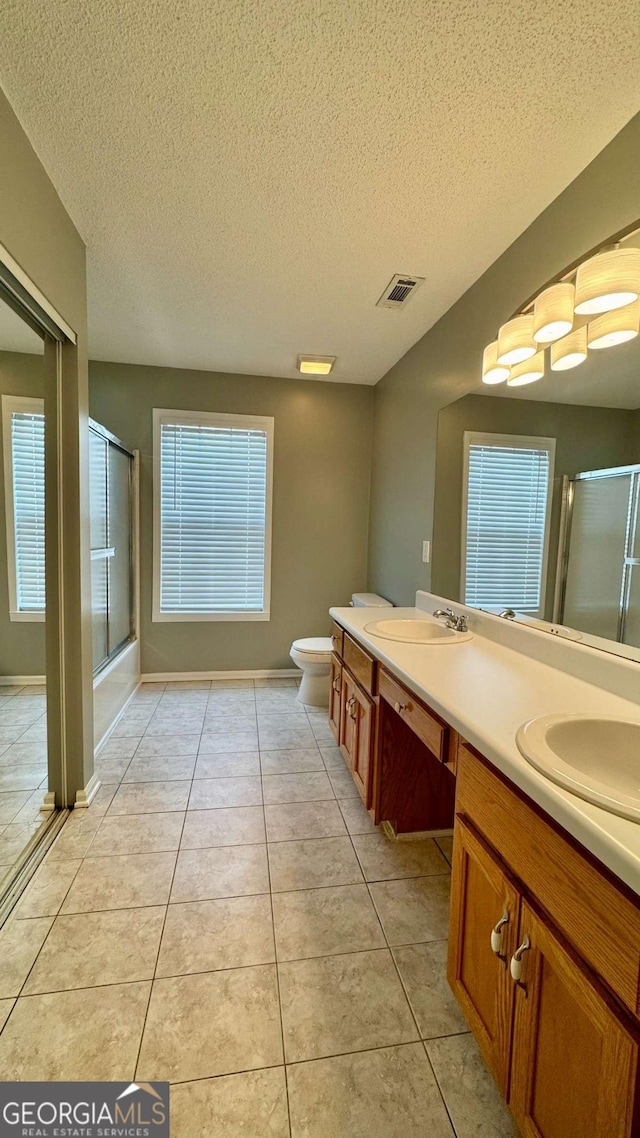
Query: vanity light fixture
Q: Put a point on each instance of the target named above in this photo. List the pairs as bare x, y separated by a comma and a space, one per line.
515, 340
608, 281
570, 351
527, 372
315, 365
492, 371
614, 327
553, 312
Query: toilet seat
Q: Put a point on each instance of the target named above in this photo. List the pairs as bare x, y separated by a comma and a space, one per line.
313, 646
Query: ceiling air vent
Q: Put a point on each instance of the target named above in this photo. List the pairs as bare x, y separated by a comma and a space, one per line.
398, 291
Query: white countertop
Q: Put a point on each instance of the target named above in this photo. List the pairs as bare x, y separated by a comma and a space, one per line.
486, 691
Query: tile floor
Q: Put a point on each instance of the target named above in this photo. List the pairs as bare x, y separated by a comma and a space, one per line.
226, 916
23, 768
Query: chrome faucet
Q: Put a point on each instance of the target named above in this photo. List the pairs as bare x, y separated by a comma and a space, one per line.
457, 623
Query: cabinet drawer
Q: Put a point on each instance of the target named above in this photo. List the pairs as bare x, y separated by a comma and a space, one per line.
599, 920
337, 634
422, 722
360, 663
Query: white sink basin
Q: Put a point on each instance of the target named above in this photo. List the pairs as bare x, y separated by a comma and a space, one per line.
416, 631
595, 757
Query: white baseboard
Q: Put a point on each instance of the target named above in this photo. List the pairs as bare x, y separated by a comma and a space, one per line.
86, 796
48, 802
260, 674
6, 681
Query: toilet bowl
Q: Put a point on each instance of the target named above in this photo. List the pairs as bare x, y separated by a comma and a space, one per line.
312, 655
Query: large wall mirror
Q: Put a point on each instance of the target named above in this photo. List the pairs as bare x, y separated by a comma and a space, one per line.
537, 510
24, 770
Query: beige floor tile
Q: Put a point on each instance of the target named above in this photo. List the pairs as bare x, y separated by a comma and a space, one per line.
214, 1023
225, 743
213, 793
332, 757
472, 1098
343, 785
118, 749
387, 1093
124, 881
15, 837
335, 1004
159, 745
138, 833
111, 770
357, 819
446, 846
304, 820
10, 803
150, 798
20, 778
161, 768
423, 969
296, 761
88, 950
320, 922
229, 765
20, 943
239, 684
72, 843
89, 1034
313, 863
309, 787
276, 738
5, 1011
172, 721
223, 871
237, 826
382, 859
241, 724
249, 1105
103, 799
47, 890
413, 910
230, 932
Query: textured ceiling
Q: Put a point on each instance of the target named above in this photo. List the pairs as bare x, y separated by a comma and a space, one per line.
249, 174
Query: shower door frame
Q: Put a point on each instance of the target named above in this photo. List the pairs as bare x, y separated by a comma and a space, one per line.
564, 543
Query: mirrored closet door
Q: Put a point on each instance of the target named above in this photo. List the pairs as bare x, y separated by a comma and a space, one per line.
111, 496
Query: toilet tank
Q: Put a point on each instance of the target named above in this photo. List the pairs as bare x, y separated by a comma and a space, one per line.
369, 601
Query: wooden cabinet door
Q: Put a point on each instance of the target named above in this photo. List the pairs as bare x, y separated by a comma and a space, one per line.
362, 711
483, 899
335, 696
356, 733
574, 1064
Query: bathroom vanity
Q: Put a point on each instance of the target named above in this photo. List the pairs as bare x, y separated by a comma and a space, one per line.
544, 950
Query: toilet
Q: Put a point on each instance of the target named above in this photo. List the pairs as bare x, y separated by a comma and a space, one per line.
312, 655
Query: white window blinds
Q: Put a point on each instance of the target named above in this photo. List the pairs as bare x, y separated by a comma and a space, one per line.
213, 544
24, 443
506, 526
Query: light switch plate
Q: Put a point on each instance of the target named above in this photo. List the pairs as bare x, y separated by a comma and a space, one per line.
426, 552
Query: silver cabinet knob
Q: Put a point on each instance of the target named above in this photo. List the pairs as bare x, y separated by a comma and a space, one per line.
516, 959
496, 933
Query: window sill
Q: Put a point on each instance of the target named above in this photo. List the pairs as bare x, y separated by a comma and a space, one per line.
198, 617
27, 617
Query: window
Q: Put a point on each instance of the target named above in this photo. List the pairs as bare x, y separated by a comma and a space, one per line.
505, 531
23, 445
212, 516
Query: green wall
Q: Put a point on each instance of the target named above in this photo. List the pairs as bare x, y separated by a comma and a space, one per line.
445, 363
587, 438
322, 461
22, 648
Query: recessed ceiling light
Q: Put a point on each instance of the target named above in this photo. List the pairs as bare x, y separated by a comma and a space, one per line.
315, 365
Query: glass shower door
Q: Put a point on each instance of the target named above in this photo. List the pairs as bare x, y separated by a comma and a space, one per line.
111, 545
